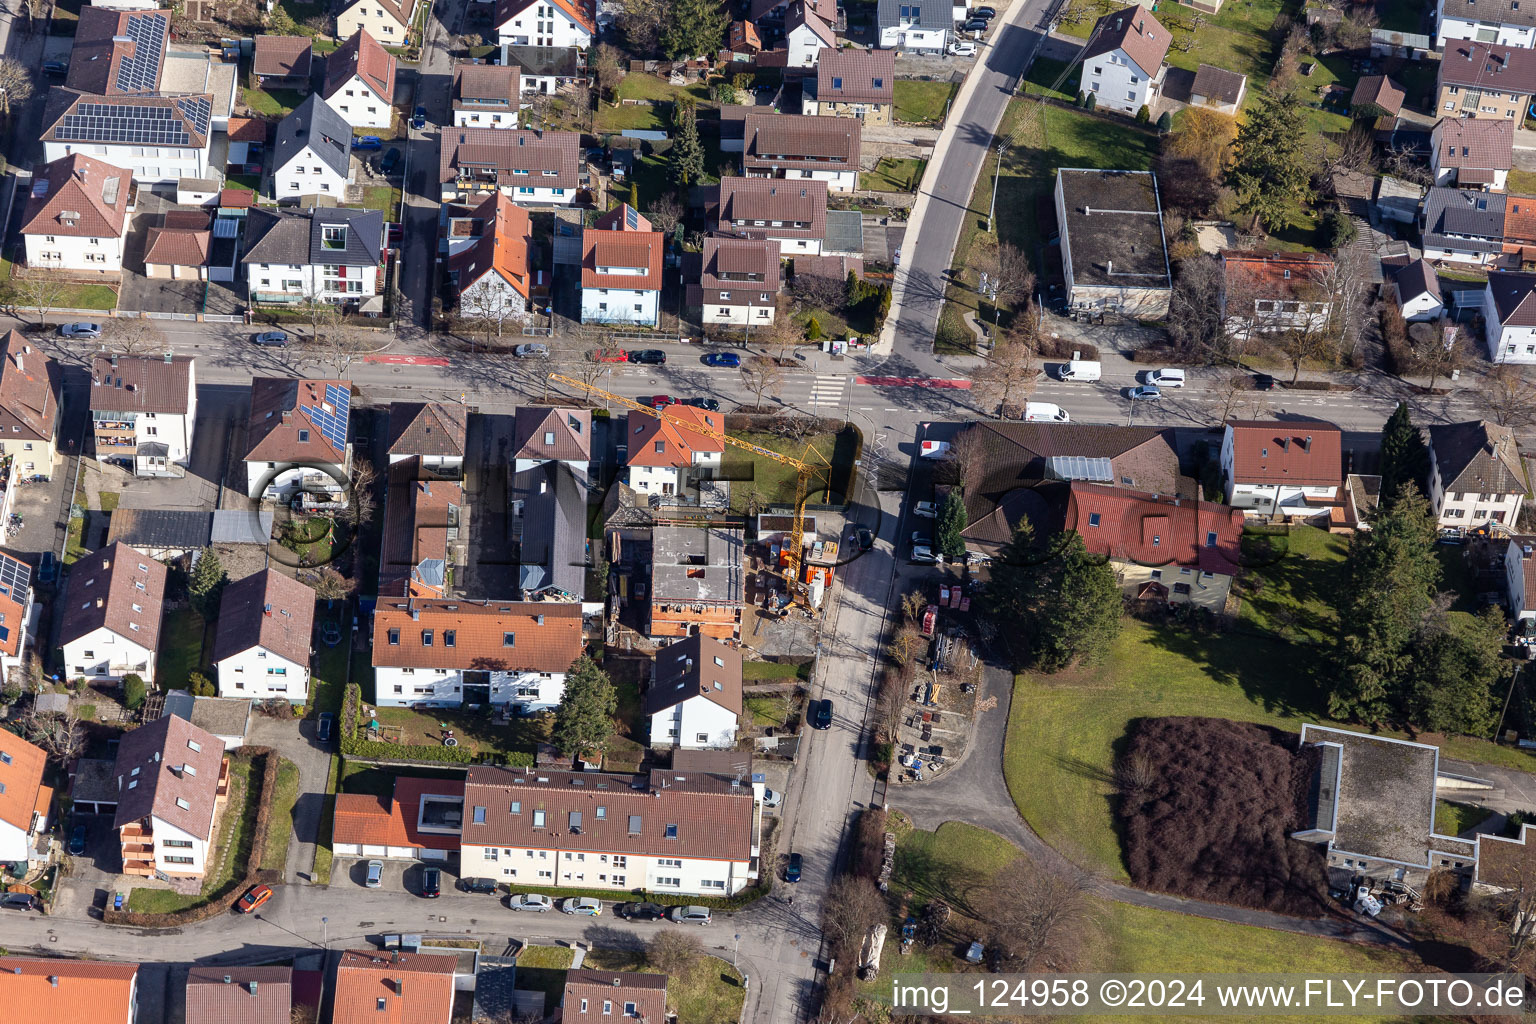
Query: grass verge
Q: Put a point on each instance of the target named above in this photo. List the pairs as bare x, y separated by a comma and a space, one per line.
324, 855
923, 102
275, 856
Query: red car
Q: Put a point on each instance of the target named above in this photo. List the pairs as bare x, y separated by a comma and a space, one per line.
657, 401
255, 898
608, 355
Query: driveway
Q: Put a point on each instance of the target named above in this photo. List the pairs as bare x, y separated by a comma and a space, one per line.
1513, 790
296, 741
158, 294
94, 877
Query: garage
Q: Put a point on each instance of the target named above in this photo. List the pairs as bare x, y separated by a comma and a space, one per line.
375, 851
430, 854
93, 786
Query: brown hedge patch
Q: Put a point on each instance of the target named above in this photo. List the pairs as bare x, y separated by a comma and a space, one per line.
221, 903
1207, 809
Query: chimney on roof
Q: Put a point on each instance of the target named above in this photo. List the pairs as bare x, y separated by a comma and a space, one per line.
1306, 443
53, 979
415, 614
17, 358
1285, 443
228, 979
266, 609
615, 982
253, 988
400, 987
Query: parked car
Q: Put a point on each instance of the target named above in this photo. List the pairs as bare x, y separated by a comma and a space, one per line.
419, 118
983, 12
689, 915
821, 717
728, 359
375, 876
1263, 382
641, 911
48, 568
793, 868
1166, 378
772, 798
80, 330
657, 401
532, 350
866, 538
922, 554
963, 48
975, 25
258, 895
479, 885
431, 883
537, 902
608, 355
390, 162
584, 905
707, 404
926, 509
77, 841
323, 726
277, 339
19, 901
652, 356
394, 234
1145, 393
367, 142
56, 67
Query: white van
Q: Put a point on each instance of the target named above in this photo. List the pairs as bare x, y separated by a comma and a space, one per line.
1085, 370
1166, 378
1045, 412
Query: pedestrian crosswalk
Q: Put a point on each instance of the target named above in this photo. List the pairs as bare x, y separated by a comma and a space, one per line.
828, 390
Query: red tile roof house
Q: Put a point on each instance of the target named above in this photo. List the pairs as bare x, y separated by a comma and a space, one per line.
1472, 152
393, 988
486, 95
1282, 467
665, 457
29, 406
240, 995
1180, 550
529, 166
77, 217
422, 821
695, 698
542, 434
419, 553
852, 83
684, 833
1275, 291
283, 62
621, 270
490, 264
110, 617
598, 997
433, 432
801, 148
443, 653
298, 439
360, 82
24, 801
53, 991
792, 213
262, 647
178, 248
172, 784
736, 281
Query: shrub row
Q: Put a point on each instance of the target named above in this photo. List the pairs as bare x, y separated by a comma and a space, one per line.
351, 702
221, 903
751, 894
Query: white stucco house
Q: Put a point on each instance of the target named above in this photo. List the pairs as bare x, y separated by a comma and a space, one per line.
1281, 467
486, 95
1503, 24
665, 457
803, 147
313, 152
621, 270
545, 434
915, 27
172, 783
1418, 292
111, 615
25, 803
792, 212
532, 167
118, 130
1509, 317
558, 23
444, 653
1520, 577
262, 647
433, 432
695, 696
1123, 63
16, 595
77, 216
734, 281
326, 254
298, 440
1476, 476
360, 82
143, 410
386, 20
805, 35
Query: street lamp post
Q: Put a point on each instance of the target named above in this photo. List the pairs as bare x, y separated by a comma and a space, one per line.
996, 174
325, 935
734, 949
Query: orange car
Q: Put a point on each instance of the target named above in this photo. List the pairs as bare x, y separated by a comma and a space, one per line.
256, 897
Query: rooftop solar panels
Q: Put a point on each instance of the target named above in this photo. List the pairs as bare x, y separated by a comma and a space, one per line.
333, 421
631, 218
141, 124
15, 576
1078, 467
141, 72
198, 110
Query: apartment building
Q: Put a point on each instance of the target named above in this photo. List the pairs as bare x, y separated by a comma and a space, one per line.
143, 409
172, 783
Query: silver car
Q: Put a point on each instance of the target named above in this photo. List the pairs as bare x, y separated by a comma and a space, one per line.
530, 901
80, 330
533, 350
375, 876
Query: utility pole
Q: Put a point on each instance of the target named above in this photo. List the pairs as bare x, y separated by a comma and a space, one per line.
996, 174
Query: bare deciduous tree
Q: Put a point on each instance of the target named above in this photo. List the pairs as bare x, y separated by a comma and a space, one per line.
966, 456
1194, 312
1508, 396
641, 22
330, 585
361, 503
608, 70
761, 375
41, 290
674, 951
849, 908
664, 212
490, 304
59, 735
1041, 915
1438, 348
781, 335
820, 291
1008, 267
135, 336
1008, 376
16, 84
1240, 399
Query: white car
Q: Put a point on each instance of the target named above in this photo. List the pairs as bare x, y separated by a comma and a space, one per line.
582, 905
964, 48
926, 509
1166, 378
80, 330
772, 798
923, 555
530, 901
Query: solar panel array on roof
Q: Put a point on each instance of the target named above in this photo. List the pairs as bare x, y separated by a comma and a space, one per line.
1078, 467
198, 110
631, 218
15, 575
116, 122
140, 72
333, 421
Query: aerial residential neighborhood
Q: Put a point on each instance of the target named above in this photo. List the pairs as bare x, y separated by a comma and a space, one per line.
565, 510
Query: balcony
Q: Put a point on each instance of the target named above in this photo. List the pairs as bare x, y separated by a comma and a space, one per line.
116, 442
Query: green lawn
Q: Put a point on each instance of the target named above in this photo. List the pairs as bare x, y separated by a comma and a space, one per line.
773, 481
271, 102
1522, 181
384, 198
1041, 139
329, 678
655, 115
894, 175
708, 991
232, 847
1452, 818
765, 710
1044, 76
67, 296
1299, 576
771, 670
275, 856
324, 856
181, 649
923, 102
1240, 38
107, 501
542, 969
950, 864
473, 731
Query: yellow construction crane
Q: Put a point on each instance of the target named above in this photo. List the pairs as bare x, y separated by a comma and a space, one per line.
803, 467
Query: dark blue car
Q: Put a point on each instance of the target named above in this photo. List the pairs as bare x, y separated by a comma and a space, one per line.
367, 142
419, 118
722, 359
77, 841
390, 162
792, 871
